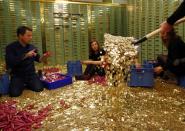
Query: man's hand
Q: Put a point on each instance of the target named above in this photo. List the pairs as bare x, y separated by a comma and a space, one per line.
45, 57
31, 53
47, 54
158, 69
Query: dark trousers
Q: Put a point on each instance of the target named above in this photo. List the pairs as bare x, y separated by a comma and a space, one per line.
18, 83
177, 70
93, 69
162, 60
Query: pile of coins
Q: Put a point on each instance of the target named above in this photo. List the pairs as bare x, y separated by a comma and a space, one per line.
121, 54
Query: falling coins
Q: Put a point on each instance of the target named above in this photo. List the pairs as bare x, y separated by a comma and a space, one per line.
121, 54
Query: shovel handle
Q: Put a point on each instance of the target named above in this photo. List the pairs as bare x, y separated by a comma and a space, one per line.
156, 32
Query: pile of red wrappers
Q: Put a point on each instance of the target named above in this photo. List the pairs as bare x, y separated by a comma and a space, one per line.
21, 120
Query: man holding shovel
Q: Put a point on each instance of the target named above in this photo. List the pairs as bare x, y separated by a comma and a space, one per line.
175, 60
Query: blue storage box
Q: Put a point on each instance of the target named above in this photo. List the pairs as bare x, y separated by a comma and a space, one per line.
4, 84
141, 76
181, 81
60, 83
74, 68
153, 62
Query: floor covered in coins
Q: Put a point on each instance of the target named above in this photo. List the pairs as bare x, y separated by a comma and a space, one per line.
83, 106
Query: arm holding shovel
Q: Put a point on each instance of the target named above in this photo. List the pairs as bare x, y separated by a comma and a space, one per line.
179, 13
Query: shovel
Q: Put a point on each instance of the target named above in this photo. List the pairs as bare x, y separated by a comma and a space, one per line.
155, 32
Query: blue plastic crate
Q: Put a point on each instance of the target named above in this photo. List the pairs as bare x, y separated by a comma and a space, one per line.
57, 84
4, 84
74, 68
153, 62
181, 81
142, 77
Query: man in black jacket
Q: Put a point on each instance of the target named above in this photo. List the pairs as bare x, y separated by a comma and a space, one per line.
179, 13
173, 62
20, 57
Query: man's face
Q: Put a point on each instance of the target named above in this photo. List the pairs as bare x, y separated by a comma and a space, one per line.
164, 35
26, 38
